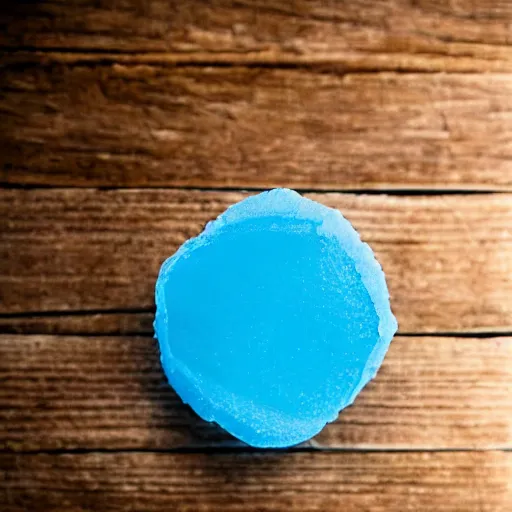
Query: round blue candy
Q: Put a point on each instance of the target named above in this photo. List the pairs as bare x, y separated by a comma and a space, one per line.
273, 319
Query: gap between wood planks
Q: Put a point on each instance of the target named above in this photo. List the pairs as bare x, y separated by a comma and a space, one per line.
365, 64
392, 191
309, 447
78, 322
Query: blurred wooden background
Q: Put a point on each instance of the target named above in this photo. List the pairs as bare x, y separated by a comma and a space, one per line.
128, 124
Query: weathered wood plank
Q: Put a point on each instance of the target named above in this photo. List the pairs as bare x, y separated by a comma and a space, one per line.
110, 393
105, 323
387, 34
126, 126
448, 258
420, 482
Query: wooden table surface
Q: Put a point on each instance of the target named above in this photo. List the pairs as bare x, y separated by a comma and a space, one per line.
128, 124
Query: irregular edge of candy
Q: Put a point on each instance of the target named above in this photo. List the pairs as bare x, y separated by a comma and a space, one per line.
374, 281
330, 222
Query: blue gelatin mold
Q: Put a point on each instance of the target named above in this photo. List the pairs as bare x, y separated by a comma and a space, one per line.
273, 319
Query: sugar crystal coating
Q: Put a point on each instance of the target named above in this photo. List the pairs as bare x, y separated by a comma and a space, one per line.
273, 319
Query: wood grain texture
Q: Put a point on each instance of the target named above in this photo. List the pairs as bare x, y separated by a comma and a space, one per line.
104, 323
427, 35
419, 482
251, 94
70, 124
110, 393
448, 259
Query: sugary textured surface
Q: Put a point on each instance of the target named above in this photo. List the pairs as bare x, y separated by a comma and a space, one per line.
273, 319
